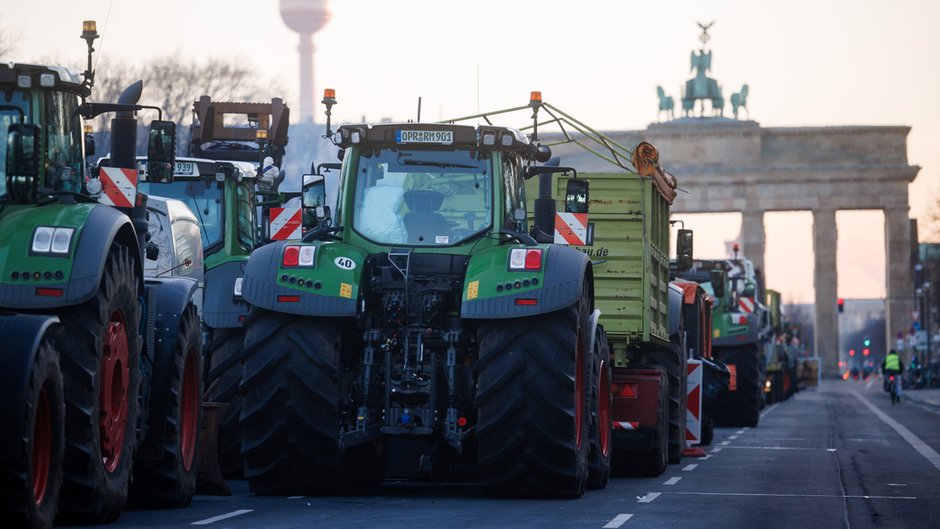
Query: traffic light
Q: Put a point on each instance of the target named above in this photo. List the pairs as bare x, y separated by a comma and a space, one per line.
866, 351
867, 341
851, 352
841, 305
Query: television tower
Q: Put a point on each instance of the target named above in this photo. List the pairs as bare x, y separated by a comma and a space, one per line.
306, 17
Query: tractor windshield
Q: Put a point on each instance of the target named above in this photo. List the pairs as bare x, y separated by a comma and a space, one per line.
203, 198
61, 163
422, 197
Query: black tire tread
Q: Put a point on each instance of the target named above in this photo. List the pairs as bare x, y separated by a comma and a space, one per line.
741, 407
225, 352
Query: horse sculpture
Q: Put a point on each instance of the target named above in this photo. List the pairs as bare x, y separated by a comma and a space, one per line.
718, 102
666, 104
739, 100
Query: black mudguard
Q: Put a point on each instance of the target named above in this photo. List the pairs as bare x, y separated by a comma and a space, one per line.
20, 336
565, 273
220, 309
167, 300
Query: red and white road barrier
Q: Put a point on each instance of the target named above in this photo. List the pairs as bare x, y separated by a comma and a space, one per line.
571, 228
693, 406
118, 186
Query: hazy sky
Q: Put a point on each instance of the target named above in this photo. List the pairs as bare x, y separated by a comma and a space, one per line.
806, 62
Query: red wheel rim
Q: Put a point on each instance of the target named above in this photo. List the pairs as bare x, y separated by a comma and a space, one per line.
189, 409
42, 447
603, 410
579, 389
113, 399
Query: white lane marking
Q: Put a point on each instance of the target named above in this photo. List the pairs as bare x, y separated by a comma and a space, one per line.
739, 432
618, 520
769, 409
650, 496
921, 406
776, 448
929, 453
689, 468
870, 382
671, 481
830, 450
295, 497
716, 449
225, 516
733, 437
704, 457
746, 428
725, 443
897, 484
796, 495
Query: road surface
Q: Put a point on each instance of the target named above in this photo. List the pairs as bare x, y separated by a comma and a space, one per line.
838, 456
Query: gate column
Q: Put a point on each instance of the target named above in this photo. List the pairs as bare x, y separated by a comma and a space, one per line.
825, 280
898, 281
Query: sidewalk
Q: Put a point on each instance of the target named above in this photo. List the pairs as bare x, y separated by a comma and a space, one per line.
929, 397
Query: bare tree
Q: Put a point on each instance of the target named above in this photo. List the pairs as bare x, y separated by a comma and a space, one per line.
173, 83
8, 41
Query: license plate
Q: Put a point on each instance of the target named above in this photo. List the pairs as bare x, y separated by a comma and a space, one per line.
441, 137
184, 169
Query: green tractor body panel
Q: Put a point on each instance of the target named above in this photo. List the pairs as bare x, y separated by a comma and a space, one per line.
630, 258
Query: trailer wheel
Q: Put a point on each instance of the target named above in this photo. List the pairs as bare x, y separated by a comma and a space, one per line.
674, 363
101, 367
32, 482
601, 426
742, 406
533, 402
290, 417
225, 353
170, 481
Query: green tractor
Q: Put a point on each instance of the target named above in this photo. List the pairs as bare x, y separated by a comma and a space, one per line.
426, 313
780, 360
740, 333
101, 366
226, 183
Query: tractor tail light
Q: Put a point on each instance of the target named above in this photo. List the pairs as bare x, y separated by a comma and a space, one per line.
291, 256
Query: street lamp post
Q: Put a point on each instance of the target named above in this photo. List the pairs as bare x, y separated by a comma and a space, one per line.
923, 293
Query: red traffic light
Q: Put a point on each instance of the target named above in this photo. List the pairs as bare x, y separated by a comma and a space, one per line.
851, 352
866, 351
841, 303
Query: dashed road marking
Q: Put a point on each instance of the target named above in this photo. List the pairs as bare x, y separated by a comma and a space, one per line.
221, 517
733, 437
725, 443
617, 521
929, 453
704, 457
650, 496
739, 432
796, 495
689, 468
769, 409
671, 481
295, 497
716, 449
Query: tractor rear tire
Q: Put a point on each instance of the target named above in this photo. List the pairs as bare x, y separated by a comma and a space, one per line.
33, 481
100, 359
674, 363
601, 436
742, 406
290, 416
533, 425
225, 353
170, 481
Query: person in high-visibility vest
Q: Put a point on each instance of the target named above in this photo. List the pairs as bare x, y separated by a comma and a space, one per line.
892, 366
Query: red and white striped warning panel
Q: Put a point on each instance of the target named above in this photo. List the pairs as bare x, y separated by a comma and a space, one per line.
693, 406
626, 425
738, 319
571, 228
285, 224
118, 186
746, 304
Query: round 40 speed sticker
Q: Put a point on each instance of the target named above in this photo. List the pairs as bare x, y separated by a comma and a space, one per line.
344, 263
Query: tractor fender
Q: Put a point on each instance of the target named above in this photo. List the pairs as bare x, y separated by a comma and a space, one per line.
167, 300
564, 271
329, 288
101, 226
221, 309
22, 334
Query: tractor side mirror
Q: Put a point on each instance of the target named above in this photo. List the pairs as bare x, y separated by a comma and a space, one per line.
22, 161
161, 151
684, 250
313, 202
89, 144
577, 195
717, 278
